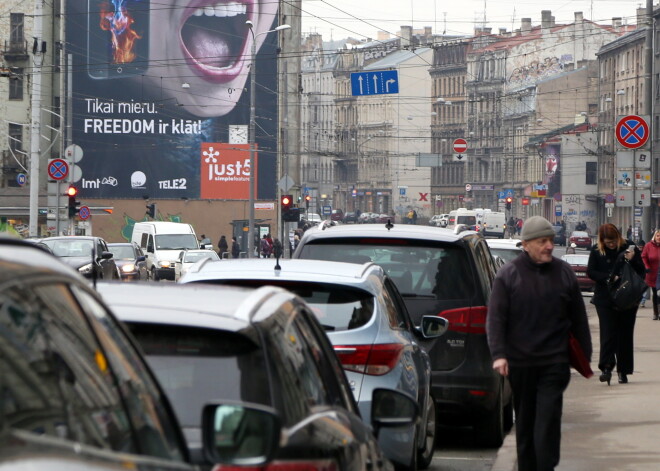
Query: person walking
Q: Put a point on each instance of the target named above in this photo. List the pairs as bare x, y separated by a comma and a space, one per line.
535, 302
616, 325
651, 258
235, 248
223, 246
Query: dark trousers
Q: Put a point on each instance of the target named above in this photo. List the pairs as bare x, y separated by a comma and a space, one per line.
616, 338
538, 399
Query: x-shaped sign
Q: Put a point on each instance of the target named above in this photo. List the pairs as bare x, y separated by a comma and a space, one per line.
423, 196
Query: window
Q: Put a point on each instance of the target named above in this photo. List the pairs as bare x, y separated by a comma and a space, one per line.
16, 84
15, 137
17, 25
591, 173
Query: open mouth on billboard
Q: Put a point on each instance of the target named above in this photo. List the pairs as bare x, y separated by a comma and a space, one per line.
214, 35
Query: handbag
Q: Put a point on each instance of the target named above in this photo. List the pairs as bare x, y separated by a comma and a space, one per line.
577, 358
626, 292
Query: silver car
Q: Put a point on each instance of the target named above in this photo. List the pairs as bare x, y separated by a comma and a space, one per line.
188, 258
370, 329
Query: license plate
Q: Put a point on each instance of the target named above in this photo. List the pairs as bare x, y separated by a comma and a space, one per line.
580, 274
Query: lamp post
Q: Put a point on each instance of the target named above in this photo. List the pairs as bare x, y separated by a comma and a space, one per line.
253, 170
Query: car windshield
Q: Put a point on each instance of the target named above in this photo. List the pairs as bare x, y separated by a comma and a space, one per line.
576, 259
196, 256
506, 254
580, 234
122, 252
176, 241
70, 247
417, 267
196, 365
467, 220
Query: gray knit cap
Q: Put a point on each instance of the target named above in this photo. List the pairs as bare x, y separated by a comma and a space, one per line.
535, 227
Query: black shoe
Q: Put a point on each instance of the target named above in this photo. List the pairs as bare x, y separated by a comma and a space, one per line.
605, 376
623, 378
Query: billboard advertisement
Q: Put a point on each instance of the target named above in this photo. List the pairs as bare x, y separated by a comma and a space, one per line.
154, 89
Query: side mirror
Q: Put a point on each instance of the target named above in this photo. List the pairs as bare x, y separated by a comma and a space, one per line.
180, 258
141, 258
106, 255
433, 327
240, 434
390, 409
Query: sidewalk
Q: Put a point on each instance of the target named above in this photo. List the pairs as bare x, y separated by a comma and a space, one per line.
615, 428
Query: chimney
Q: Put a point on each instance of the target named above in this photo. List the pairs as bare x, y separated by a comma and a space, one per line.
525, 26
428, 32
502, 32
641, 17
579, 18
487, 30
546, 19
406, 36
616, 22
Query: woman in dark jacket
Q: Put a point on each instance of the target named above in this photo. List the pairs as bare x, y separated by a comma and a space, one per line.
616, 326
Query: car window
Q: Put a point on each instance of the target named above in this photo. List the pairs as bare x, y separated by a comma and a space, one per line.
57, 382
196, 257
396, 304
417, 267
156, 433
195, 365
122, 252
506, 254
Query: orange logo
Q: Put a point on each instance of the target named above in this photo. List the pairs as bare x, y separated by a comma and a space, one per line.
225, 171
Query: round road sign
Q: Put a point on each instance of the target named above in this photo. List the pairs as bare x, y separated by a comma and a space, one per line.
468, 187
460, 145
632, 132
21, 179
84, 213
58, 169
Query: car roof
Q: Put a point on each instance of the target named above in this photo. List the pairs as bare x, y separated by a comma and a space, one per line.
397, 231
319, 271
19, 258
192, 305
512, 244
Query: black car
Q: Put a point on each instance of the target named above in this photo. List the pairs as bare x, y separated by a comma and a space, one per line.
130, 260
350, 218
437, 272
76, 392
87, 254
263, 346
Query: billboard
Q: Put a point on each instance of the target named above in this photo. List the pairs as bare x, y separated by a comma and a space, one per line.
155, 87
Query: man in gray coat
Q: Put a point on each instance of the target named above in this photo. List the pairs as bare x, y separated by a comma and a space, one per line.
535, 302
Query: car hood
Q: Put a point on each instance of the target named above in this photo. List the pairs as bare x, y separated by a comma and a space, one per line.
76, 262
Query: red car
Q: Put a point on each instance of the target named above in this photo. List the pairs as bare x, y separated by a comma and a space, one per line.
578, 263
581, 239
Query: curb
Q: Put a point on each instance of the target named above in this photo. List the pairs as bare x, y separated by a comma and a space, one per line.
507, 459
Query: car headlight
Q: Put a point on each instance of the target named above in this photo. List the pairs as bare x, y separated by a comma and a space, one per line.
165, 264
129, 267
85, 269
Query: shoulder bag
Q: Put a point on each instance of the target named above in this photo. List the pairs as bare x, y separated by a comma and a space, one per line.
578, 359
626, 292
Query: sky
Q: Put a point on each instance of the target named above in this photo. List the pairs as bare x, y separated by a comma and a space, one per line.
360, 19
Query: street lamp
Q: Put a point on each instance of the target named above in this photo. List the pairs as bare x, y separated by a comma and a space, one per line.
253, 170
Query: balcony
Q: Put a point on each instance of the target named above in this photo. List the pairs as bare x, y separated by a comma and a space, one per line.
15, 51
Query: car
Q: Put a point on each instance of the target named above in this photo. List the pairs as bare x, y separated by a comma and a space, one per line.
262, 346
76, 391
88, 254
337, 215
437, 272
350, 218
130, 260
578, 263
581, 239
370, 328
366, 217
188, 258
439, 220
560, 235
507, 249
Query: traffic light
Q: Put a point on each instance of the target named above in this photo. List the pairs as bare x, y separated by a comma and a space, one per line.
72, 193
151, 210
286, 201
307, 200
508, 200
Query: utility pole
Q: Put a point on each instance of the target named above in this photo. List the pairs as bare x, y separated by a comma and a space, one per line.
647, 219
38, 49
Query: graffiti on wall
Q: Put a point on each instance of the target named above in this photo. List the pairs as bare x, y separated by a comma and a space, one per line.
538, 70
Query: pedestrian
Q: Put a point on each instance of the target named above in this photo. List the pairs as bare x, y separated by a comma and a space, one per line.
278, 250
651, 258
519, 225
265, 247
571, 248
223, 246
616, 325
511, 226
235, 248
414, 216
205, 241
629, 233
535, 302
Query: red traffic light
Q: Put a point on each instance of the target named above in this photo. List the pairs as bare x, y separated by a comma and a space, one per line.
308, 198
509, 199
72, 191
286, 200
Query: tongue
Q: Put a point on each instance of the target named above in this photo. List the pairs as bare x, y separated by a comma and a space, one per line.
209, 49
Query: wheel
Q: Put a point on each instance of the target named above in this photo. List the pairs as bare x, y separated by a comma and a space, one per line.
489, 429
154, 275
425, 454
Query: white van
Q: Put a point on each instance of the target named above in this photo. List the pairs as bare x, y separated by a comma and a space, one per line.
162, 242
493, 224
467, 217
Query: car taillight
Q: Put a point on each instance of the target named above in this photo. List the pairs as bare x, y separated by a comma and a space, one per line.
467, 320
375, 360
298, 465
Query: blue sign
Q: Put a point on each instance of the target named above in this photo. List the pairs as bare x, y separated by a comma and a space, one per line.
374, 83
327, 210
402, 191
506, 193
21, 179
558, 210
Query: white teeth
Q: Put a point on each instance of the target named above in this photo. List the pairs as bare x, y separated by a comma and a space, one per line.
222, 10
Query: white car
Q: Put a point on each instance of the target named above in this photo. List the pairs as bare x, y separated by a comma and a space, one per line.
439, 220
507, 249
188, 258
